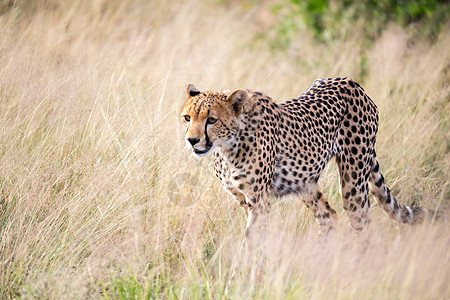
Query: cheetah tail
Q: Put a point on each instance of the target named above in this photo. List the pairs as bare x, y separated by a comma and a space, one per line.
393, 208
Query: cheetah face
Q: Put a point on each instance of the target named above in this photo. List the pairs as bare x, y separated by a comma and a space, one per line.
210, 119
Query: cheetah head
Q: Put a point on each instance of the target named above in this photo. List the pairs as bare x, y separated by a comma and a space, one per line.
211, 118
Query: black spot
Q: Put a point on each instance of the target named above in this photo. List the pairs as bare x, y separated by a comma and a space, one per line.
352, 207
376, 168
346, 177
380, 181
388, 198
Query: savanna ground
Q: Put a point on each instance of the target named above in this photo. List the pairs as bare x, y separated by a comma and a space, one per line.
99, 198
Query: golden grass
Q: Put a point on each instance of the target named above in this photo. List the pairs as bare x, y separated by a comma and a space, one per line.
92, 165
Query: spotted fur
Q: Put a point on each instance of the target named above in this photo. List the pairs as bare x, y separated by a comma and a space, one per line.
264, 149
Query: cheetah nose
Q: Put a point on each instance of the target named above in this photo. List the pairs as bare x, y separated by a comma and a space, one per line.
193, 141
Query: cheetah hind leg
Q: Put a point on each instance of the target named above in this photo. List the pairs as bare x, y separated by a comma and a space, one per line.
326, 216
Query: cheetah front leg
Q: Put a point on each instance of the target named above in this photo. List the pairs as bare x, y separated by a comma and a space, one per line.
326, 216
256, 214
255, 208
239, 197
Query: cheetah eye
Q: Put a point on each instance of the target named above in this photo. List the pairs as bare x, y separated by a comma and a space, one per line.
211, 120
187, 118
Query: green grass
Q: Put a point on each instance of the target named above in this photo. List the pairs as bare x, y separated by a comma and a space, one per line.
91, 150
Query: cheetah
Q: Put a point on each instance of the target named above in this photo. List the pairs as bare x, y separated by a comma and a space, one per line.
265, 149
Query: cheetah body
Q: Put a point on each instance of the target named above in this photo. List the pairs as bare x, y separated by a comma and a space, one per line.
265, 149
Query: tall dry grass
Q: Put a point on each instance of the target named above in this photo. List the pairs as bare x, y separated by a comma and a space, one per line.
92, 167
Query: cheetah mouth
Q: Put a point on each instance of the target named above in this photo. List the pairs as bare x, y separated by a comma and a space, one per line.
199, 152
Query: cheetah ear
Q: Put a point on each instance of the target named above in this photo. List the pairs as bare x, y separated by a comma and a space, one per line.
191, 90
237, 100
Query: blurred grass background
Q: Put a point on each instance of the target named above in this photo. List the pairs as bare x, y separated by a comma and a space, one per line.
93, 195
